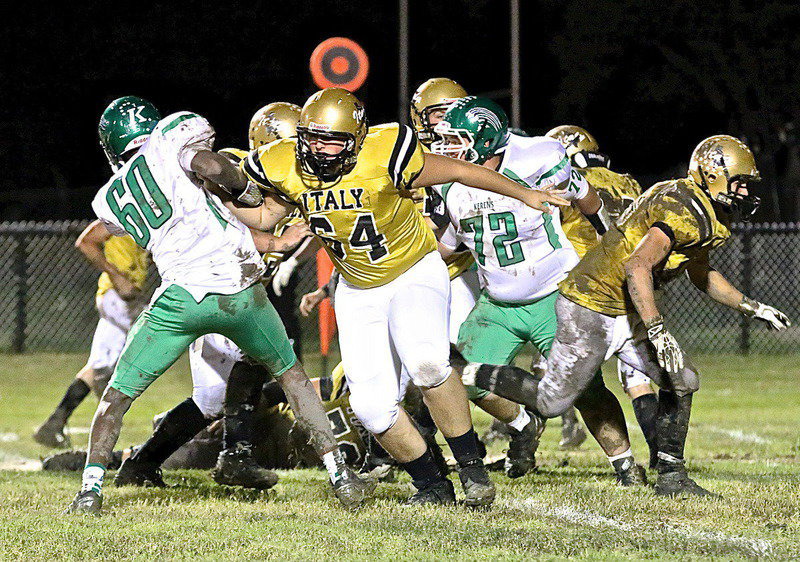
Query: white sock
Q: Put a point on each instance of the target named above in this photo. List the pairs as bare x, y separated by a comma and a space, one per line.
93, 478
623, 461
522, 419
334, 464
622, 455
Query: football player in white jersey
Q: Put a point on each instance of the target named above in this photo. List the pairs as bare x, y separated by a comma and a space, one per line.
210, 270
223, 379
521, 254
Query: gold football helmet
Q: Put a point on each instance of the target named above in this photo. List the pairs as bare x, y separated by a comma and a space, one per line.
272, 122
331, 114
725, 167
581, 146
434, 94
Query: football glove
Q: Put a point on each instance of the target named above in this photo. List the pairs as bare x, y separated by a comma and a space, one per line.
774, 318
283, 274
669, 353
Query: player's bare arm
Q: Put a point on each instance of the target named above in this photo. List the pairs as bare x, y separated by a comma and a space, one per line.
714, 284
291, 238
90, 243
440, 169
653, 249
218, 169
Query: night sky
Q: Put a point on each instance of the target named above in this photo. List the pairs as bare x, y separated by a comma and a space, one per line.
605, 68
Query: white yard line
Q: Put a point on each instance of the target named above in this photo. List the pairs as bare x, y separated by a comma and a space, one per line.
739, 435
12, 461
8, 437
566, 513
77, 430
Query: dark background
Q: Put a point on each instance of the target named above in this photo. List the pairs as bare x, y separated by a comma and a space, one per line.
648, 79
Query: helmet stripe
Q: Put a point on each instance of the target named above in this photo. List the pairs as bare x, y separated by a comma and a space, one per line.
485, 114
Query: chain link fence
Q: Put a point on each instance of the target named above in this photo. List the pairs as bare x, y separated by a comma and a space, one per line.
47, 294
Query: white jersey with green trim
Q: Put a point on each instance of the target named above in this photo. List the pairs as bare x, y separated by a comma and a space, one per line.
195, 241
521, 253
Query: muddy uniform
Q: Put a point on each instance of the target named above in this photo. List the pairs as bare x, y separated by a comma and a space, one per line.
206, 258
618, 192
596, 317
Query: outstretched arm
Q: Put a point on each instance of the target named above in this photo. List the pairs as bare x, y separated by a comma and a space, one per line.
714, 284
440, 169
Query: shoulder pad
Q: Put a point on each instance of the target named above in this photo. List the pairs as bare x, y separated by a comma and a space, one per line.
679, 191
183, 128
530, 157
235, 155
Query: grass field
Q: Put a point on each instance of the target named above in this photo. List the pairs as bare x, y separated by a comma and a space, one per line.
744, 443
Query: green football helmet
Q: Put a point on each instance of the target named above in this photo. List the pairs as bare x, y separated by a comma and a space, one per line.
473, 129
124, 126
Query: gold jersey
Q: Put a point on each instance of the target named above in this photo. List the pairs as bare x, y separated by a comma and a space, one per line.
617, 192
678, 207
370, 232
235, 155
124, 254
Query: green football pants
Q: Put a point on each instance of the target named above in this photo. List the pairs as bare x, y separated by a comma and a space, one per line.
164, 331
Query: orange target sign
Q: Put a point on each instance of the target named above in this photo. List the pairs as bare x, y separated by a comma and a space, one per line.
339, 62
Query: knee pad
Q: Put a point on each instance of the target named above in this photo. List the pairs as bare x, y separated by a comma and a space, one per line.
429, 374
375, 414
209, 399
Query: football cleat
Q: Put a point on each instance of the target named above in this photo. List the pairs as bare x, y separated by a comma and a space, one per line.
353, 490
633, 475
478, 487
134, 473
89, 502
68, 461
237, 467
438, 493
678, 483
572, 433
521, 456
52, 435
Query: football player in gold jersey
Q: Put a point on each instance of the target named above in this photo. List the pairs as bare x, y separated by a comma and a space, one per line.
118, 300
349, 183
617, 191
608, 303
